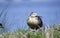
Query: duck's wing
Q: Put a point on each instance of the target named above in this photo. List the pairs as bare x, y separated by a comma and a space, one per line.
40, 23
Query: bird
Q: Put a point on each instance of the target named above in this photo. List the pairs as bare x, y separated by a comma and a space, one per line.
1, 26
34, 21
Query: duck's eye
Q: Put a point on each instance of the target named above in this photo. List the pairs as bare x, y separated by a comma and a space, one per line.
36, 16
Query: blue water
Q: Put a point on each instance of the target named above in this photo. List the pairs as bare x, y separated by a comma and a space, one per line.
17, 14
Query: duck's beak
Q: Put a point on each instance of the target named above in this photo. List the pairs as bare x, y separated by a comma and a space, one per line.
39, 16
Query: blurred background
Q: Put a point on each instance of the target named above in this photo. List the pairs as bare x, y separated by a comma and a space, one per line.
14, 13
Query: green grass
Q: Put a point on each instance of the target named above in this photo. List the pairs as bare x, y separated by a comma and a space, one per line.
29, 34
21, 33
26, 34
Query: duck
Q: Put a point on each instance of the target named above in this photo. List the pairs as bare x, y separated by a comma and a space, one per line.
34, 21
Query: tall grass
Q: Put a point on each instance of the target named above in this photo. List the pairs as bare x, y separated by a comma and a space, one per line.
29, 34
25, 34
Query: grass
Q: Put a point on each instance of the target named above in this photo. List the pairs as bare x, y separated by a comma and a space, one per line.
28, 34
21, 34
25, 34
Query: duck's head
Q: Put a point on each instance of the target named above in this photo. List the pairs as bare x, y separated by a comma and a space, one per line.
33, 14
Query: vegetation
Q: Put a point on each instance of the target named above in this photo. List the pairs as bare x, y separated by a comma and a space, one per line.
29, 34
57, 31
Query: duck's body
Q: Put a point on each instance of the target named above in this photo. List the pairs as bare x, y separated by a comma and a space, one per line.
34, 21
